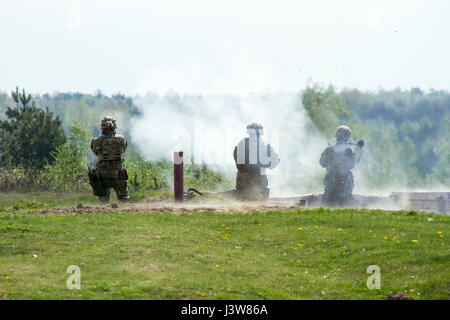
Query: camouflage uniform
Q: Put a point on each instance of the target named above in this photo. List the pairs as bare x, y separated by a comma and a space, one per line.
109, 172
251, 180
251, 186
339, 160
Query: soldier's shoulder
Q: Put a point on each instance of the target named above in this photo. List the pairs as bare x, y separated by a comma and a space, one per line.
349, 146
242, 142
122, 140
96, 140
120, 137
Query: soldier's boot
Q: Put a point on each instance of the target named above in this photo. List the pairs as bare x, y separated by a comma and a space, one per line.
123, 197
241, 194
346, 202
105, 195
266, 192
329, 198
104, 200
121, 190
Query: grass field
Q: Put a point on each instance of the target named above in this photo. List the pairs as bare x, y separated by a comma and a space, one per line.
302, 254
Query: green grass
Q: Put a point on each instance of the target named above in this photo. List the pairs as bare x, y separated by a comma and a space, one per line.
47, 200
224, 256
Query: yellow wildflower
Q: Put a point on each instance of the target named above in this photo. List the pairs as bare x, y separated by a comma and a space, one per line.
415, 241
300, 228
299, 244
339, 229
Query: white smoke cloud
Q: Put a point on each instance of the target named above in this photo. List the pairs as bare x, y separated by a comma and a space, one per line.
213, 103
237, 69
207, 128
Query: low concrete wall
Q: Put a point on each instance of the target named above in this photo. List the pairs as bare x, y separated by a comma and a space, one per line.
438, 202
426, 201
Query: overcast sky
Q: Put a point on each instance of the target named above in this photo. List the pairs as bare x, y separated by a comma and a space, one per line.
208, 46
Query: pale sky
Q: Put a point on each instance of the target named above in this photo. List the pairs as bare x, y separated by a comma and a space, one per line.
208, 46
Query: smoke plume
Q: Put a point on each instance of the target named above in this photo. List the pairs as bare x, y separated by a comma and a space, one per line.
208, 127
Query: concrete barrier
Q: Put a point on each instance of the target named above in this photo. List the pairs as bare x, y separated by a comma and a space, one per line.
438, 202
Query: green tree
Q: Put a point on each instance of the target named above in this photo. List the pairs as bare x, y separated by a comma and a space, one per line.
30, 134
69, 169
325, 107
441, 172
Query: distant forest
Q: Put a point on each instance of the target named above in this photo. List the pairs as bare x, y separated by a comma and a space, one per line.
408, 130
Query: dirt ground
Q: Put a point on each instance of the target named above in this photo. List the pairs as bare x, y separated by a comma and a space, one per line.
171, 207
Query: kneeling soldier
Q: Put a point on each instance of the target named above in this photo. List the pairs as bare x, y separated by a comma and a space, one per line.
339, 160
109, 172
252, 157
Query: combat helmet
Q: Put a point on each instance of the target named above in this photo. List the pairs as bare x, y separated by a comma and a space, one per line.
252, 127
343, 133
108, 124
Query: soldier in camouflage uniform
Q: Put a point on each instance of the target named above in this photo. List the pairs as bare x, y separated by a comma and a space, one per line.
339, 160
252, 157
109, 172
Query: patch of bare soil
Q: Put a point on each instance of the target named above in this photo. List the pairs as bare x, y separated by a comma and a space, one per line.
175, 208
398, 295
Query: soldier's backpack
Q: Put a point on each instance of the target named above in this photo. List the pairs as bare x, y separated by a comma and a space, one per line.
250, 167
341, 159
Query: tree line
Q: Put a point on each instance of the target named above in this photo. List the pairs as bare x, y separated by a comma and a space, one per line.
407, 132
45, 138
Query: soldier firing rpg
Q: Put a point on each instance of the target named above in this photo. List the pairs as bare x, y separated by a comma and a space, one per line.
109, 172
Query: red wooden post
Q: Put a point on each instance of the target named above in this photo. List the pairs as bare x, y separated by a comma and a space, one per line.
178, 180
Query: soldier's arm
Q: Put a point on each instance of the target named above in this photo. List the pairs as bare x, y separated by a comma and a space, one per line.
126, 144
274, 158
324, 157
94, 146
351, 158
240, 152
122, 142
